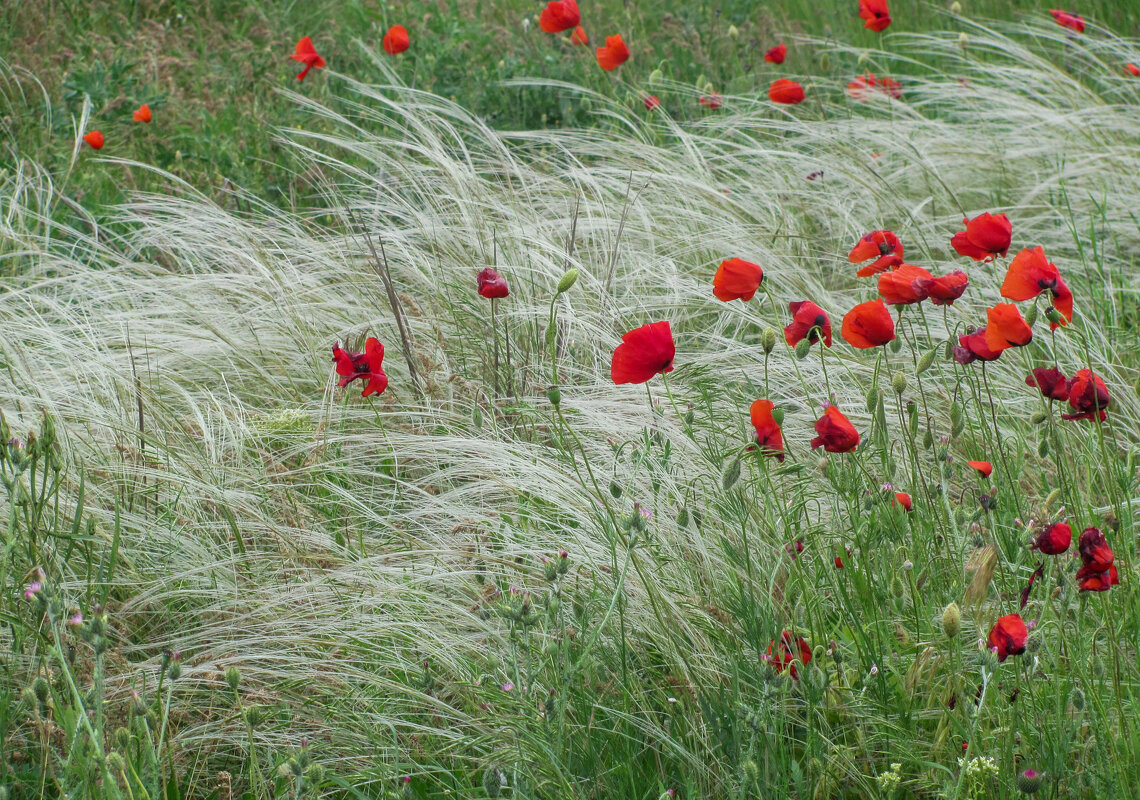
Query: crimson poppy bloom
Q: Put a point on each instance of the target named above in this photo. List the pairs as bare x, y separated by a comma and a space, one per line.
712, 101
1008, 636
777, 54
737, 279
652, 102
972, 347
984, 467
142, 114
902, 499
1067, 19
785, 655
491, 284
1097, 572
786, 92
94, 139
838, 562
1051, 381
1006, 327
868, 325
579, 36
986, 236
1088, 395
882, 246
1030, 273
836, 433
1132, 70
396, 40
944, 289
614, 54
902, 286
307, 55
1054, 539
1099, 581
559, 15
809, 321
643, 353
366, 366
875, 14
768, 434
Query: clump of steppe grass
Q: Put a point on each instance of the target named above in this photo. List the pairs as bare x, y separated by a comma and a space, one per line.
382, 580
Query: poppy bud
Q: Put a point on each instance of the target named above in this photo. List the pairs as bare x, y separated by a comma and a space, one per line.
1077, 699
683, 517
493, 782
778, 416
751, 772
895, 345
872, 400
898, 383
1029, 781
951, 620
825, 62
955, 7
898, 589
656, 76
1033, 644
925, 362
41, 689
115, 762
1038, 417
233, 678
568, 280
928, 440
803, 347
767, 342
1031, 316
963, 40
689, 416
733, 31
554, 394
1043, 448
477, 417
731, 475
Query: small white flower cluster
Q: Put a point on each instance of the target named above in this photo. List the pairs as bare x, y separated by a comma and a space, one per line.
889, 781
980, 767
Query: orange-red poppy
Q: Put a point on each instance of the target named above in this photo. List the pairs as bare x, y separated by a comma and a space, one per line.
1097, 572
861, 87
579, 36
614, 54
142, 114
713, 101
643, 353
1088, 395
786, 92
903, 286
396, 40
985, 237
737, 279
984, 467
94, 139
868, 325
785, 656
1132, 70
777, 54
307, 55
1006, 327
809, 321
490, 284
1067, 19
882, 246
944, 289
972, 347
768, 434
1051, 381
1008, 636
875, 14
1030, 273
559, 15
836, 433
903, 499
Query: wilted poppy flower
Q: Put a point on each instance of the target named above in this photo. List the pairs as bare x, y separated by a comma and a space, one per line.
1088, 395
1006, 327
875, 14
491, 284
1097, 572
1030, 273
1051, 381
713, 101
1067, 19
643, 353
944, 289
307, 55
984, 467
861, 87
890, 86
836, 433
1054, 539
1132, 70
985, 237
652, 102
559, 15
396, 40
786, 92
614, 54
794, 548
737, 279
579, 36
1098, 581
902, 286
972, 347
142, 114
868, 325
366, 366
768, 434
784, 654
1008, 636
777, 54
94, 139
902, 499
809, 321
1037, 573
882, 246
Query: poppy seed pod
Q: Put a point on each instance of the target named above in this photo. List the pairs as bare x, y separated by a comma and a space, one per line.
554, 395
778, 415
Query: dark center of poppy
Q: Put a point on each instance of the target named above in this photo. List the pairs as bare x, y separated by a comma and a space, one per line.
884, 248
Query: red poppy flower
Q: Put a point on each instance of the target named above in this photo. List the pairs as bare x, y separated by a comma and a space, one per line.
985, 237
838, 562
794, 548
94, 139
809, 321
1037, 573
307, 55
902, 286
579, 36
142, 114
366, 366
902, 499
868, 325
875, 14
984, 467
1067, 19
777, 54
614, 54
1097, 572
863, 86
1099, 581
1054, 539
643, 353
787, 92
1006, 327
768, 434
972, 347
883, 246
1051, 381
396, 40
713, 101
1008, 635
785, 655
559, 15
737, 279
1088, 395
836, 433
944, 289
491, 284
891, 87
1132, 70
652, 102
1030, 273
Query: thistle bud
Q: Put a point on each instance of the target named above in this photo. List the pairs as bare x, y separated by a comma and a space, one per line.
568, 280
951, 620
803, 347
233, 678
898, 383
768, 342
1029, 781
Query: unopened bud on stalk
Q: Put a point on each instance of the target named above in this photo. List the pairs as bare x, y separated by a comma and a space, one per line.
1031, 316
899, 383
554, 395
568, 280
803, 347
963, 40
731, 475
925, 362
233, 678
768, 342
778, 416
955, 7
1038, 417
1043, 448
656, 76
733, 31
951, 620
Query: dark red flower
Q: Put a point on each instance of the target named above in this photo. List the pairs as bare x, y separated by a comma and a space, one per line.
1008, 636
777, 54
972, 347
809, 321
790, 649
643, 353
1031, 273
366, 366
307, 55
614, 54
882, 246
836, 433
1097, 572
944, 289
1006, 328
1088, 395
902, 499
984, 467
875, 14
1051, 381
794, 548
868, 325
559, 15
986, 236
491, 284
1067, 19
712, 101
652, 101
94, 140
579, 36
1037, 573
786, 92
396, 40
903, 286
768, 434
1100, 581
1054, 539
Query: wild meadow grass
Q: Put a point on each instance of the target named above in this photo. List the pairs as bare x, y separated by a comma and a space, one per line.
225, 576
